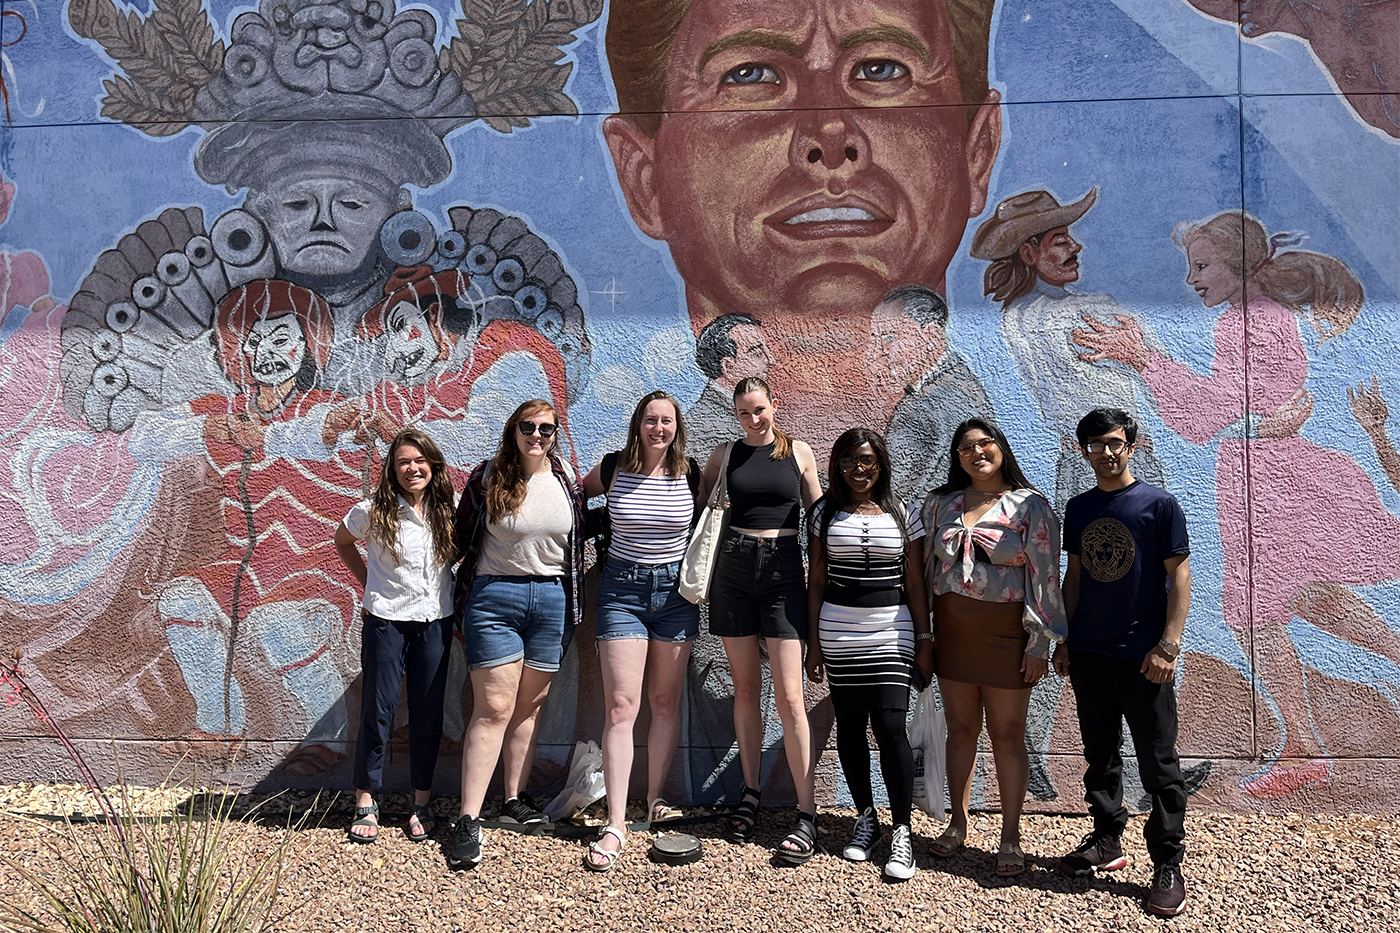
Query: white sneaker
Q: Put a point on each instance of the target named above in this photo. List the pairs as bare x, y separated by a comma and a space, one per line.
864, 838
901, 863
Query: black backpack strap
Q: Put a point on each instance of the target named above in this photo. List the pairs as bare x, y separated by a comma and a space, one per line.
607, 472
692, 479
608, 469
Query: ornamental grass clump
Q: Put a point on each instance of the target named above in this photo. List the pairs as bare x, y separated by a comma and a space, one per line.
199, 870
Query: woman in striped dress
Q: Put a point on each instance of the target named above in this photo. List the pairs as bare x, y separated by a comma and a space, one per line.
645, 627
869, 624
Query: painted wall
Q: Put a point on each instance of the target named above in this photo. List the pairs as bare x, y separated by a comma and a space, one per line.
431, 206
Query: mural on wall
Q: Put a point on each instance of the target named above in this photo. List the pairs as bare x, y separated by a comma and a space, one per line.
251, 239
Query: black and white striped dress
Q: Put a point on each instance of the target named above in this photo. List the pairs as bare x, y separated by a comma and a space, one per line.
866, 631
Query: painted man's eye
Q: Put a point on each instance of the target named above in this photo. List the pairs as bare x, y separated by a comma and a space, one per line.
879, 70
751, 73
351, 205
298, 204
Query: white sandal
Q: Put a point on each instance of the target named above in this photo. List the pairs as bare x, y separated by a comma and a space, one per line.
596, 848
661, 811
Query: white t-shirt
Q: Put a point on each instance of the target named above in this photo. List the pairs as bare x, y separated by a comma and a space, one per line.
534, 541
650, 517
416, 588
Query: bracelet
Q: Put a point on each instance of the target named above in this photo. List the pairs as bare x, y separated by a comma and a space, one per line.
924, 636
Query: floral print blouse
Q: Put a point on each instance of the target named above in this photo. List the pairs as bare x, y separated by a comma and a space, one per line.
1019, 561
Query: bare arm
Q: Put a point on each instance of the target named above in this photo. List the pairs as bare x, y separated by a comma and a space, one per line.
709, 476
1369, 408
593, 482
917, 596
816, 595
811, 482
1070, 589
1157, 667
349, 553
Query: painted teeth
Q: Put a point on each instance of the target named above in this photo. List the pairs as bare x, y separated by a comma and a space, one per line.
829, 214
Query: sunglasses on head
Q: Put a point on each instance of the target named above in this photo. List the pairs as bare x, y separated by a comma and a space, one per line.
528, 428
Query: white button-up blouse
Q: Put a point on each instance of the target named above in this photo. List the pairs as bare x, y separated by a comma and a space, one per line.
415, 588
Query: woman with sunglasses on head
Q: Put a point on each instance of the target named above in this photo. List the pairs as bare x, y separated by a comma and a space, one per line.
867, 612
520, 529
993, 573
645, 627
759, 589
407, 527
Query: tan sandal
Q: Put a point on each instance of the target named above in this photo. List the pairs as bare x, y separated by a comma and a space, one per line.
596, 848
1011, 861
949, 842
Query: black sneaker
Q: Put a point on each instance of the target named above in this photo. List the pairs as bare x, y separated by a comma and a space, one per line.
864, 838
466, 843
1168, 897
900, 866
1096, 852
521, 810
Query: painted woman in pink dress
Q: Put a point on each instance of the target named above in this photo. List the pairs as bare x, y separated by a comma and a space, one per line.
1279, 497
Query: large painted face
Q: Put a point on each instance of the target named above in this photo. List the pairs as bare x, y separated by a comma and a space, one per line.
752, 357
412, 346
323, 226
1209, 274
810, 152
275, 349
1055, 257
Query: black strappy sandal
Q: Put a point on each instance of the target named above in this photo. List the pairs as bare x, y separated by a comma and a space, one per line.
804, 836
741, 824
427, 823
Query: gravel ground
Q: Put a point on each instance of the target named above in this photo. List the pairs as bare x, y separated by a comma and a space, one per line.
1244, 873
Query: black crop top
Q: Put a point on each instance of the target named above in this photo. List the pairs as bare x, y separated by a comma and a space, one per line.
763, 493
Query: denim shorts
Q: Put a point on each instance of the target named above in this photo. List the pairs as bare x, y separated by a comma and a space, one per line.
641, 601
759, 588
510, 618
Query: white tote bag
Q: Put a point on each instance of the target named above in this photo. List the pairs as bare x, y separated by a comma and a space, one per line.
699, 564
928, 735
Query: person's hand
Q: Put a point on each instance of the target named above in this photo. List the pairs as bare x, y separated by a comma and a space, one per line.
815, 673
1033, 668
236, 429
1123, 343
1368, 406
1288, 419
366, 423
1157, 667
923, 660
1061, 660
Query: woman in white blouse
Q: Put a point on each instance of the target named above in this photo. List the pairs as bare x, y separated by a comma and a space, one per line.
407, 619
645, 627
994, 584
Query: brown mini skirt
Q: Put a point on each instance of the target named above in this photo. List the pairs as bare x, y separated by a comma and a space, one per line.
977, 642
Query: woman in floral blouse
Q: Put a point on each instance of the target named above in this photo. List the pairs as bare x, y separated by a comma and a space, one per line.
993, 573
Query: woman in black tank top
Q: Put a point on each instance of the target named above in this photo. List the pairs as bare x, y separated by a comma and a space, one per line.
759, 588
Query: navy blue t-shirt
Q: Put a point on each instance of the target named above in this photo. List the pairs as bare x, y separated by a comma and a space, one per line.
1121, 539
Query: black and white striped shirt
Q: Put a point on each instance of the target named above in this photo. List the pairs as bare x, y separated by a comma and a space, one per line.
650, 518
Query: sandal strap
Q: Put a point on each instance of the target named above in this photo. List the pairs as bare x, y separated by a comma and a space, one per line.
805, 832
616, 833
371, 810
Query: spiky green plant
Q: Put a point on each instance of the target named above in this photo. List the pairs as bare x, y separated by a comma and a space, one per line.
192, 872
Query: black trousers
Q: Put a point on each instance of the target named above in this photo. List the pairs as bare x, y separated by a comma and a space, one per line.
1107, 691
389, 650
896, 757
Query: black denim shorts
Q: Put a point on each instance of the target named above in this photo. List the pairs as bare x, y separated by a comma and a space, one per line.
759, 588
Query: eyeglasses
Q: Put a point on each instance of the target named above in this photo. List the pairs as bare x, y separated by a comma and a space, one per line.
1113, 445
865, 462
528, 428
971, 446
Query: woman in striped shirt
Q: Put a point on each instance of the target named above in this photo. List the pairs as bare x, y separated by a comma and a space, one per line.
645, 627
867, 612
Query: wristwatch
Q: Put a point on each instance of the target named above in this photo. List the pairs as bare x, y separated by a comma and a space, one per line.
1172, 649
924, 636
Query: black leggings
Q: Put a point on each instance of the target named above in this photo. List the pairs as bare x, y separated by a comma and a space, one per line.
896, 758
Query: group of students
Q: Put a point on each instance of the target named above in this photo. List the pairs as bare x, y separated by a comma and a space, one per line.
966, 588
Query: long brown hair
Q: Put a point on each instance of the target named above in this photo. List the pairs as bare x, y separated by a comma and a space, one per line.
506, 481
1010, 277
438, 508
1323, 288
631, 460
958, 477
782, 443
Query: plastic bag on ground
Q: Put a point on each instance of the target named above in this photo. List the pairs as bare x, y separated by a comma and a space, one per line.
584, 786
928, 735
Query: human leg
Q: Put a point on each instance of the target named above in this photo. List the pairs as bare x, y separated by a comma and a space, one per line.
382, 649
623, 663
425, 663
1006, 728
853, 751
962, 708
896, 762
785, 660
665, 678
494, 691
1101, 730
1150, 709
518, 753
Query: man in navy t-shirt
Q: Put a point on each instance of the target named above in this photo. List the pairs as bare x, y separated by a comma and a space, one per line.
1127, 589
